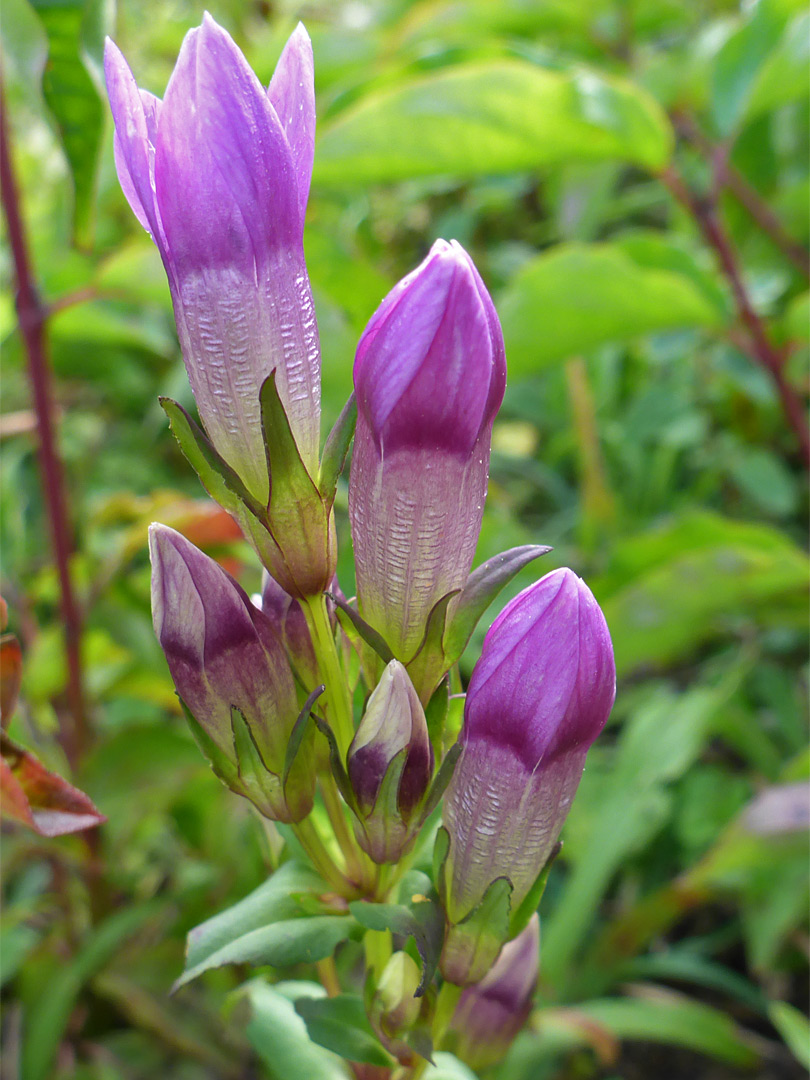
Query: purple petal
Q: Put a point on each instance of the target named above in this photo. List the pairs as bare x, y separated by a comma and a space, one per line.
224, 172
135, 113
292, 94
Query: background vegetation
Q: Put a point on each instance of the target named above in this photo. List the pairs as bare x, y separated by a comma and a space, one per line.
632, 180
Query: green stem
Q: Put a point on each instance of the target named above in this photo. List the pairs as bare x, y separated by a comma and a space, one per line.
359, 866
307, 836
445, 1007
337, 693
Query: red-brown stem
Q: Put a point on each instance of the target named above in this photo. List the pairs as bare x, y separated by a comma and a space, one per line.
32, 316
760, 347
746, 196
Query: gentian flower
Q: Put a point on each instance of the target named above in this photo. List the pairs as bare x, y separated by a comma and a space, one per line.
231, 672
491, 1013
390, 763
538, 697
218, 173
430, 374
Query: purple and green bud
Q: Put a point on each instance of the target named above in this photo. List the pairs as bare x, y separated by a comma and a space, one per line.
429, 377
538, 697
225, 656
490, 1014
390, 764
287, 617
218, 173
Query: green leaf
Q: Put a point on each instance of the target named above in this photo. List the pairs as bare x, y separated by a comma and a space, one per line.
665, 1017
281, 944
738, 65
794, 1028
492, 117
71, 85
275, 900
279, 1036
541, 309
685, 582
335, 450
340, 1024
49, 1014
483, 585
782, 77
421, 919
216, 475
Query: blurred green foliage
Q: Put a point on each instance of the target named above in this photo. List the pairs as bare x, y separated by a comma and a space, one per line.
642, 435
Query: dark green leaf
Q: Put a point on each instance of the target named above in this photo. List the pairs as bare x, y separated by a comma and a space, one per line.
340, 1024
422, 919
279, 1036
366, 632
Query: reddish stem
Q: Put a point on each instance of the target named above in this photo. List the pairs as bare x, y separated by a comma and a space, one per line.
32, 315
745, 194
760, 347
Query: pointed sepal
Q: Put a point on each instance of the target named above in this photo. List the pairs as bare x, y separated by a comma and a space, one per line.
336, 450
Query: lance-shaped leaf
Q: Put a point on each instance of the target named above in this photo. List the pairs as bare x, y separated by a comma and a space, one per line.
483, 585
340, 1024
39, 798
336, 449
421, 919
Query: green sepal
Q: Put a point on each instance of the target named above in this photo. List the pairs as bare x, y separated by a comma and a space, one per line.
258, 783
338, 768
473, 944
531, 902
386, 803
371, 637
423, 920
336, 449
298, 732
223, 767
289, 480
427, 665
482, 586
441, 848
440, 782
436, 712
216, 475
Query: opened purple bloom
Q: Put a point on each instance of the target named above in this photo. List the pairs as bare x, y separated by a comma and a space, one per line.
218, 173
430, 375
538, 697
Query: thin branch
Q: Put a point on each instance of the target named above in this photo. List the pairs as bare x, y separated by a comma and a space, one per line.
761, 349
32, 315
750, 199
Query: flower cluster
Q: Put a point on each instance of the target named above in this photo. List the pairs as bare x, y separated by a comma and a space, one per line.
309, 700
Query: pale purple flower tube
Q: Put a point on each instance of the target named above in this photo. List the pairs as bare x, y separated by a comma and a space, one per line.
223, 652
538, 697
218, 173
491, 1013
430, 375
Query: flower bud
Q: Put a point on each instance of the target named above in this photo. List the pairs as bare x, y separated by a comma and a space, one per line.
390, 763
491, 1013
538, 697
395, 1008
223, 654
429, 376
287, 617
218, 173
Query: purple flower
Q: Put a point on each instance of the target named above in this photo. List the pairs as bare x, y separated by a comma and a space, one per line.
538, 697
218, 173
430, 374
490, 1014
390, 763
223, 653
